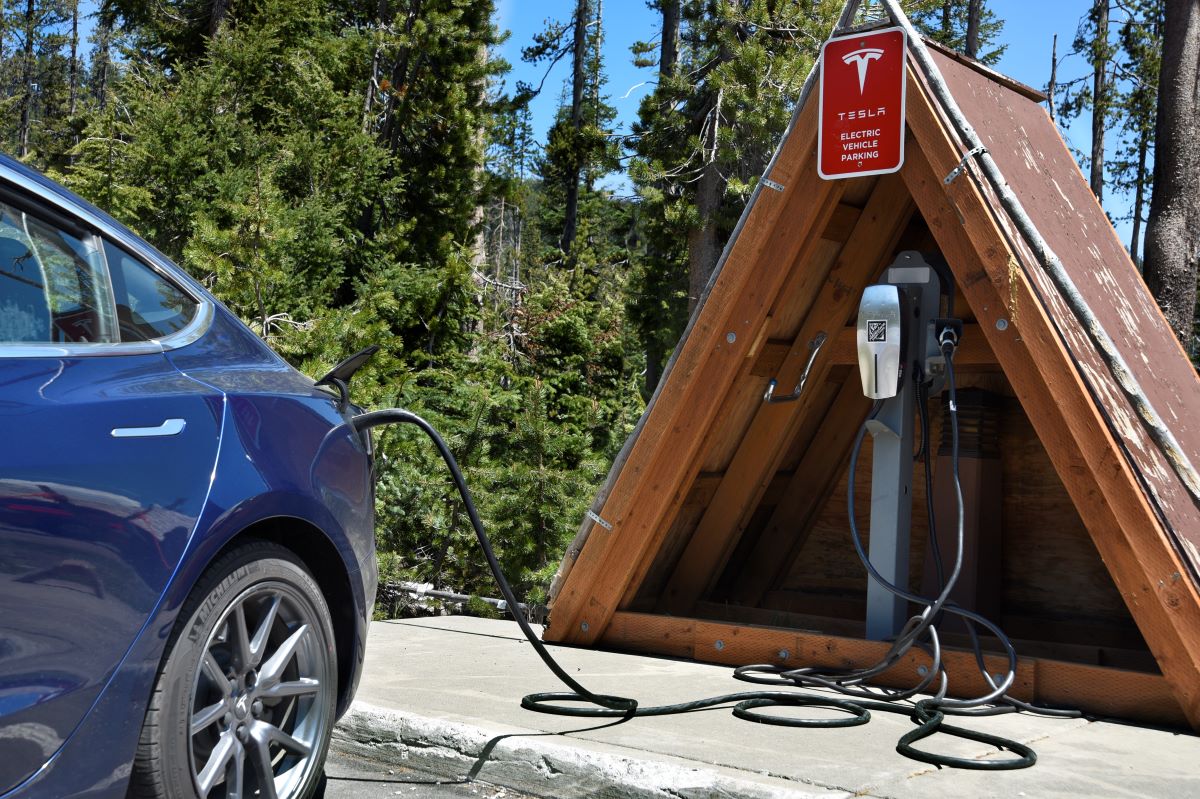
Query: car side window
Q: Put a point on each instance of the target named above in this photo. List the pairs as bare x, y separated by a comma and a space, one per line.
148, 306
53, 285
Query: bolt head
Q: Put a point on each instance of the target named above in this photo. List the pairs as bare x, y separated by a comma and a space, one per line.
256, 709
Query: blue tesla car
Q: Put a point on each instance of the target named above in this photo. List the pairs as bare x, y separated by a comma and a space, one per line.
187, 556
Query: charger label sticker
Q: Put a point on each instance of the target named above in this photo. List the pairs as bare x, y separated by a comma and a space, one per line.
876, 330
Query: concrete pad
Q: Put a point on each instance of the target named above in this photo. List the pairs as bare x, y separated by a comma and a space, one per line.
448, 690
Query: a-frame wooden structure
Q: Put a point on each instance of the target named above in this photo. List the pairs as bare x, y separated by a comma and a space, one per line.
721, 532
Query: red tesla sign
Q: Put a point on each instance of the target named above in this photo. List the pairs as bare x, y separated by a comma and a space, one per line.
862, 105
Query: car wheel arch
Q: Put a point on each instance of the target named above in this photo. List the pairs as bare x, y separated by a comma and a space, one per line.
320, 556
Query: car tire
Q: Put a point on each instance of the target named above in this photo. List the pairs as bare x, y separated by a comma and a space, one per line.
246, 687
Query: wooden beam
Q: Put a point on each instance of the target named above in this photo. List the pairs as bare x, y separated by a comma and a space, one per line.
973, 352
1095, 689
821, 467
842, 223
662, 461
830, 301
1147, 570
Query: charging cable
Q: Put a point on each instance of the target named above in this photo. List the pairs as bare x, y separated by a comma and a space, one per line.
858, 697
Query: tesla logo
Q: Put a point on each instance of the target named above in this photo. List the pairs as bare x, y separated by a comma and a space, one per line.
863, 59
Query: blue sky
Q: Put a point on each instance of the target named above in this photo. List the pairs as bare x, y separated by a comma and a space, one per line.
1029, 29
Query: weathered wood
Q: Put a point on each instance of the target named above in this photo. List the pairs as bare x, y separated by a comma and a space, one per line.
1095, 689
1147, 570
830, 299
820, 468
654, 477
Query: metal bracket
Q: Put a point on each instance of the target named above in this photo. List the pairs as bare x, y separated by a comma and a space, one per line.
770, 184
815, 346
962, 164
595, 517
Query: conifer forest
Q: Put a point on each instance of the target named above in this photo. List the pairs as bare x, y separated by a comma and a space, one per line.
343, 173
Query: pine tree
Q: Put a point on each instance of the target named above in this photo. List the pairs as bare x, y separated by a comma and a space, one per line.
703, 138
967, 26
1130, 168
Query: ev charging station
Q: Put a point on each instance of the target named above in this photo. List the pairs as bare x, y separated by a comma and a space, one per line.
720, 533
898, 352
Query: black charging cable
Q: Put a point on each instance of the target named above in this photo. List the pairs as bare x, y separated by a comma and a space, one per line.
859, 698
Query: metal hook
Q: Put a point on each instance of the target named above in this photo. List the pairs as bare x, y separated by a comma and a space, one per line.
815, 346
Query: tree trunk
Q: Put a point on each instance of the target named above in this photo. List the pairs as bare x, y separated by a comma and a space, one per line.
578, 67
26, 83
1139, 200
1099, 96
1173, 230
382, 19
74, 67
703, 247
101, 62
974, 9
1052, 86
220, 10
668, 56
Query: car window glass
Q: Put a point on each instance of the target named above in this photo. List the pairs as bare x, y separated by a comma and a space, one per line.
53, 286
148, 306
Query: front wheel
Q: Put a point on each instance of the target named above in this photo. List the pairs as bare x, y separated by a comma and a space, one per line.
243, 705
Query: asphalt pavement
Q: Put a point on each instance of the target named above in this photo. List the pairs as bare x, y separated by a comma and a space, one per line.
442, 696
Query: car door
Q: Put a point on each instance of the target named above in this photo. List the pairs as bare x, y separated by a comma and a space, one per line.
106, 455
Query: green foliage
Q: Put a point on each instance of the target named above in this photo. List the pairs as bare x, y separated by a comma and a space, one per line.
722, 110
945, 21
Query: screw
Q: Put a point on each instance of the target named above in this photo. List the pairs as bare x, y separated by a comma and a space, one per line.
584, 626
1002, 324
720, 645
731, 337
922, 670
783, 654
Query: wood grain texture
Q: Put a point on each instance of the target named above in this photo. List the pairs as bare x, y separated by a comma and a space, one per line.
1104, 691
819, 470
830, 299
662, 461
1141, 559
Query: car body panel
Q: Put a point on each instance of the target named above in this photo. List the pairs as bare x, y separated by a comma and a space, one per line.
262, 445
92, 527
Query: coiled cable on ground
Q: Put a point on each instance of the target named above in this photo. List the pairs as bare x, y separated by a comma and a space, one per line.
859, 699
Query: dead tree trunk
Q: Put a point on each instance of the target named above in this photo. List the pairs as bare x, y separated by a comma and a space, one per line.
974, 9
1099, 96
30, 26
575, 167
1052, 86
1173, 230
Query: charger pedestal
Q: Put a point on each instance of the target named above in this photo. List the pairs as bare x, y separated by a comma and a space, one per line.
892, 451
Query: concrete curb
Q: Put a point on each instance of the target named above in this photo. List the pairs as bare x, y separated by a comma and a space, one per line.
548, 764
